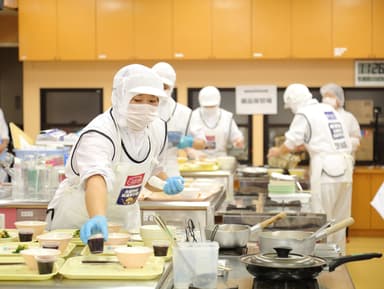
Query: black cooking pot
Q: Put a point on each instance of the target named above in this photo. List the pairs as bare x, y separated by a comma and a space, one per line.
283, 265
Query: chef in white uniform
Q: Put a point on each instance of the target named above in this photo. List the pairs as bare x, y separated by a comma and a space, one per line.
320, 129
219, 127
178, 117
333, 94
117, 153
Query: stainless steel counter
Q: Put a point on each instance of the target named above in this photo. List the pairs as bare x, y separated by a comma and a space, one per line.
11, 203
240, 277
177, 212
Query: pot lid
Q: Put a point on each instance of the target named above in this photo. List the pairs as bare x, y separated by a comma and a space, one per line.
282, 258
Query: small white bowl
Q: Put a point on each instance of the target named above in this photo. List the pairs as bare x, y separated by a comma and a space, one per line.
50, 239
133, 257
114, 227
37, 226
118, 239
150, 233
30, 254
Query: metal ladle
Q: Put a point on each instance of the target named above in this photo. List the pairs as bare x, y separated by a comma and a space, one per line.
161, 223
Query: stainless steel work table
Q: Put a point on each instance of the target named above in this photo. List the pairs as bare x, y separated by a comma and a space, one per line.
240, 277
176, 212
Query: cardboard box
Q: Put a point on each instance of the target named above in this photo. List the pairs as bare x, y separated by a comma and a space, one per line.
362, 109
365, 151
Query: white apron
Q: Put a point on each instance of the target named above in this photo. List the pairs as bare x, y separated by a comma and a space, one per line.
68, 205
178, 122
217, 136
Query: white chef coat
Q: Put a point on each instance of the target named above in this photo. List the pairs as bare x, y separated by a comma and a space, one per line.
352, 126
320, 128
178, 121
102, 149
220, 130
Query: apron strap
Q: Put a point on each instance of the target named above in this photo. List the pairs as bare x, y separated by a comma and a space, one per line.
50, 211
165, 136
188, 123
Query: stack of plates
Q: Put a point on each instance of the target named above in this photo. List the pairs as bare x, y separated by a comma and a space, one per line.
281, 187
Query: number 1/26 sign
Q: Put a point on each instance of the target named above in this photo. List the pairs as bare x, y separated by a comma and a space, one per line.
369, 73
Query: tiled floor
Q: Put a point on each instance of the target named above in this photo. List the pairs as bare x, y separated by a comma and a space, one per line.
366, 274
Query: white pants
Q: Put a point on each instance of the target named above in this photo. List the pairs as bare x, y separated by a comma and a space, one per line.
335, 201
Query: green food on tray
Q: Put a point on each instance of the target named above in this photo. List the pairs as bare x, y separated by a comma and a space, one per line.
76, 234
20, 248
4, 234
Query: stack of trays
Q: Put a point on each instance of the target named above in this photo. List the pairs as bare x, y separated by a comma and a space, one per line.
281, 187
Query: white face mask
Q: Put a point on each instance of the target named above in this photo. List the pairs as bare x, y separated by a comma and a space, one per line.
165, 108
209, 111
331, 101
138, 116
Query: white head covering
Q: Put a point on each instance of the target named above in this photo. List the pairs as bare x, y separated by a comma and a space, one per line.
335, 90
166, 73
209, 96
132, 80
296, 95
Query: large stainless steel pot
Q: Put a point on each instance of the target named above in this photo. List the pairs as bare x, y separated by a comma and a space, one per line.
235, 235
283, 265
301, 242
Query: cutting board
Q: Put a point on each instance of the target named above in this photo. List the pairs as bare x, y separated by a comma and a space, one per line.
201, 196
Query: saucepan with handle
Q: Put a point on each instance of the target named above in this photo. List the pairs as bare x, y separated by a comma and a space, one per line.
301, 242
236, 235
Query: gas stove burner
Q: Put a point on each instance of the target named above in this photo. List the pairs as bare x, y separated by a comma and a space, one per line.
285, 284
232, 207
237, 251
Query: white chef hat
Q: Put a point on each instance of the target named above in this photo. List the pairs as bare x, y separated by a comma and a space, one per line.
166, 72
209, 96
132, 80
296, 94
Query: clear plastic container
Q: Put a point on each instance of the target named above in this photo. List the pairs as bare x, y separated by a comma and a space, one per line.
195, 263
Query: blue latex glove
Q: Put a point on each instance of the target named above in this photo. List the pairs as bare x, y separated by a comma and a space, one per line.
185, 142
174, 185
174, 137
97, 224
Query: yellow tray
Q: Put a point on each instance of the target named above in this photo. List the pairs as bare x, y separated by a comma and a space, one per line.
6, 249
196, 168
68, 250
22, 272
109, 250
73, 268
